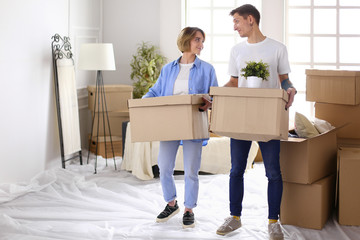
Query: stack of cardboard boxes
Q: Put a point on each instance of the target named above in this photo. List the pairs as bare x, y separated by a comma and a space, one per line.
116, 103
336, 94
318, 174
308, 169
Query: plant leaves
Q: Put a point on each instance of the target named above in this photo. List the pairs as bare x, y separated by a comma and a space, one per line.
257, 69
145, 68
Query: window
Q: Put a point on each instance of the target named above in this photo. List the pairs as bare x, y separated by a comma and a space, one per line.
212, 16
320, 34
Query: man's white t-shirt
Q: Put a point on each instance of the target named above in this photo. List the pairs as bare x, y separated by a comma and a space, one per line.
181, 85
269, 51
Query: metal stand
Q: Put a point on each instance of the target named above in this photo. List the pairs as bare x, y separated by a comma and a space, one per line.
102, 110
61, 48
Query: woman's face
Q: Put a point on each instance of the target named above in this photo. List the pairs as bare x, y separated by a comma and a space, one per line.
197, 43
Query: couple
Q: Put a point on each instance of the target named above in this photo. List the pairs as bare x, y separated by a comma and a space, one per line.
190, 75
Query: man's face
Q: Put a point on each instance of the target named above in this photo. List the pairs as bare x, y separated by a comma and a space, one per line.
242, 25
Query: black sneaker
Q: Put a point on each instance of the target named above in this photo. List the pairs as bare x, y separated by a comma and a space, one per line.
168, 213
188, 220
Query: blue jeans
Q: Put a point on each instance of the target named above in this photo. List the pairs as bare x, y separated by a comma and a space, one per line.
271, 153
192, 160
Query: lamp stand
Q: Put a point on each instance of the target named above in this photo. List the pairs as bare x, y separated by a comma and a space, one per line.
100, 101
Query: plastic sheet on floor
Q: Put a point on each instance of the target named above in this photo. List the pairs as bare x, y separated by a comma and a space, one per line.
76, 204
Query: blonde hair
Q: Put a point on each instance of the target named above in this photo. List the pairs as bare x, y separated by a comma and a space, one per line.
185, 36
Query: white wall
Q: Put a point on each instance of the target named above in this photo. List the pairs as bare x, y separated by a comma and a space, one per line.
126, 24
29, 140
85, 26
170, 27
27, 123
272, 19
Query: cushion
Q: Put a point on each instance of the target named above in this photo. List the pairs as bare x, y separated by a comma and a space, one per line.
322, 125
303, 127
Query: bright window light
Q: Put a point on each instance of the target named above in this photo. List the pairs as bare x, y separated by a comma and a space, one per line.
323, 38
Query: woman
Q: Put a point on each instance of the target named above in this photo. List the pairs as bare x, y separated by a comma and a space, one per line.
186, 75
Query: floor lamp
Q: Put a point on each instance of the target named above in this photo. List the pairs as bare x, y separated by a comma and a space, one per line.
98, 57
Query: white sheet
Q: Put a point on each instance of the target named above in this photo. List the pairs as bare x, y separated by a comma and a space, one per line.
76, 204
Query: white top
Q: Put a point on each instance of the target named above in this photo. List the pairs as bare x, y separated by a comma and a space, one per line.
181, 85
269, 51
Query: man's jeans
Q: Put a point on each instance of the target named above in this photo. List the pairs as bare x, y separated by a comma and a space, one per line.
271, 153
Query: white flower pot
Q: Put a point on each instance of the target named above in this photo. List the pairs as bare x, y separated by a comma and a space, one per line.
254, 82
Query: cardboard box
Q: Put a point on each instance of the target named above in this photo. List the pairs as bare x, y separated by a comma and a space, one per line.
308, 160
349, 186
168, 118
249, 113
308, 205
348, 142
116, 119
333, 86
106, 150
116, 97
338, 115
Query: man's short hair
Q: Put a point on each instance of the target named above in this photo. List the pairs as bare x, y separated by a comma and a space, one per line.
246, 10
185, 36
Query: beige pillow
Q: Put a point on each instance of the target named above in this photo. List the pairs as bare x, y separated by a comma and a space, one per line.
303, 127
322, 125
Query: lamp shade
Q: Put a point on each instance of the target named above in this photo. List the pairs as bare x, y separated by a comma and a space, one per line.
96, 56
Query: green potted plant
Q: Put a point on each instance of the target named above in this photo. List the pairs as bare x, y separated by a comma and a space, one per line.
255, 73
146, 65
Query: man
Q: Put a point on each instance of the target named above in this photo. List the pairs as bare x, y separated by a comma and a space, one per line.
257, 48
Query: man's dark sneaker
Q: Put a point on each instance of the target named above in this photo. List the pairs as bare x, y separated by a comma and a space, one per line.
168, 213
188, 220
